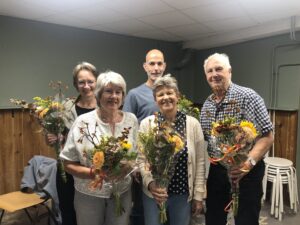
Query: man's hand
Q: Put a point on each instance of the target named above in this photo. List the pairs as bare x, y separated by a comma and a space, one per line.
236, 173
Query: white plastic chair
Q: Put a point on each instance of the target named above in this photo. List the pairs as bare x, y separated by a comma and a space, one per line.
280, 171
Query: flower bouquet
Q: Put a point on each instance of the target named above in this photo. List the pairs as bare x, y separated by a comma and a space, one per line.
50, 113
160, 145
111, 161
232, 142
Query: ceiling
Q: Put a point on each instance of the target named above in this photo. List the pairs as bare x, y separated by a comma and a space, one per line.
198, 24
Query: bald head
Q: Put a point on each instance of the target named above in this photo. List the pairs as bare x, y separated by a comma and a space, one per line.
154, 53
154, 65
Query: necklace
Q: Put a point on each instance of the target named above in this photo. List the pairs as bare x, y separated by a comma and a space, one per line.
110, 118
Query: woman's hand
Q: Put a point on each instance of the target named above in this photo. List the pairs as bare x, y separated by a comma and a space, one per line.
197, 207
137, 176
51, 139
159, 194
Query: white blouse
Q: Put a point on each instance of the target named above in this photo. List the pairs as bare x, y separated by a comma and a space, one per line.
73, 149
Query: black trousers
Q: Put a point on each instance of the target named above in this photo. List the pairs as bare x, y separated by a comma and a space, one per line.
218, 196
137, 211
65, 193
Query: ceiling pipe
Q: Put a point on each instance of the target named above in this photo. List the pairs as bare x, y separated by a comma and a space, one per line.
292, 28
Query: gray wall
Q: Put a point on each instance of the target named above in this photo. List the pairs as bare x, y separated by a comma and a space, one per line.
251, 63
34, 53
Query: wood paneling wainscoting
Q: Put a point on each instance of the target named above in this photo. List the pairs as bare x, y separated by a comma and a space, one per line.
21, 138
285, 127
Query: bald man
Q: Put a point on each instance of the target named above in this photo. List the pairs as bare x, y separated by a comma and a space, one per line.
140, 101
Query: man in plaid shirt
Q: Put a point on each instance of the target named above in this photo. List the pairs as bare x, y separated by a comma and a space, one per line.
231, 100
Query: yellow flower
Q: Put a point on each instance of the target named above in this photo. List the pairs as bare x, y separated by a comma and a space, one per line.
126, 145
56, 106
213, 130
43, 113
178, 143
249, 128
98, 160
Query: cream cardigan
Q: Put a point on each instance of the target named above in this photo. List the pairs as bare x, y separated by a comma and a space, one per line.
196, 158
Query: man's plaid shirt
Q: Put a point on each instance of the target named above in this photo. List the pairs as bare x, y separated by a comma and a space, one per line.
241, 103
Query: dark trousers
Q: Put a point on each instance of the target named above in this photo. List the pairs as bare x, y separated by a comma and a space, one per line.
137, 211
218, 196
65, 193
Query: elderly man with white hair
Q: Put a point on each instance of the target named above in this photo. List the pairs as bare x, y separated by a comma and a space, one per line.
231, 100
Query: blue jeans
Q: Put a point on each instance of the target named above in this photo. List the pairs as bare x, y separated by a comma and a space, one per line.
178, 209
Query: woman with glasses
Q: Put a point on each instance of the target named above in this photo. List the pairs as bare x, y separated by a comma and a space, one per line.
84, 80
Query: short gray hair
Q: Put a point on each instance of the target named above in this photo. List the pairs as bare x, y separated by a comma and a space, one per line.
165, 81
220, 56
106, 78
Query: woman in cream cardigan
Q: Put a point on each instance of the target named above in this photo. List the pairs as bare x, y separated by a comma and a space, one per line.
186, 190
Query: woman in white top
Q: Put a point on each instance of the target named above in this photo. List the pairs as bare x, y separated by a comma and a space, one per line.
95, 207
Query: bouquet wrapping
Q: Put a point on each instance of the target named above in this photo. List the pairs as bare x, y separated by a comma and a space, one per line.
111, 161
231, 142
159, 146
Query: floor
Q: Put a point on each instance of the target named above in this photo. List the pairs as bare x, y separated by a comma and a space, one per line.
20, 218
289, 216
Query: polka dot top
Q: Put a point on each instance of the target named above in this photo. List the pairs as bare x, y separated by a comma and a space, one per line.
179, 181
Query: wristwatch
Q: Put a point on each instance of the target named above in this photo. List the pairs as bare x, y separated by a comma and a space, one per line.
251, 161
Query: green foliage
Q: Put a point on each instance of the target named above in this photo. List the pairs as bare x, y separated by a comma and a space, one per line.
187, 106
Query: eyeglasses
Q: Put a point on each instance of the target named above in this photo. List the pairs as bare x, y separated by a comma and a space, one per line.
82, 83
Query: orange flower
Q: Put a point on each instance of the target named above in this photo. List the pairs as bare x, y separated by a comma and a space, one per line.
43, 113
98, 160
179, 143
